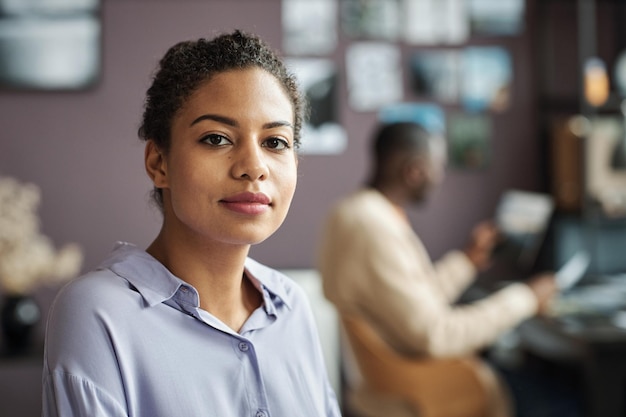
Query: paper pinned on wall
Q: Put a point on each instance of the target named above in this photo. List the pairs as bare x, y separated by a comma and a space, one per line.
469, 140
371, 19
322, 133
309, 26
500, 18
430, 22
374, 75
486, 76
455, 21
434, 74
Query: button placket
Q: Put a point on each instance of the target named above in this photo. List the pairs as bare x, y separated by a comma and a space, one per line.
255, 387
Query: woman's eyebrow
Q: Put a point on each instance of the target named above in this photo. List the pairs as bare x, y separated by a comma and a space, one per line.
232, 122
217, 118
279, 123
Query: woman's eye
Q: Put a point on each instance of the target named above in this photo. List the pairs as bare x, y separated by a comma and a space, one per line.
276, 143
215, 140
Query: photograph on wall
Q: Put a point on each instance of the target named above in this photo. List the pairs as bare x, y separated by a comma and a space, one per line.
374, 75
309, 26
432, 22
49, 44
323, 133
486, 78
428, 115
434, 74
496, 18
469, 140
371, 19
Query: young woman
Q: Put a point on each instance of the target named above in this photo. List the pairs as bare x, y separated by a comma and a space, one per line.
191, 326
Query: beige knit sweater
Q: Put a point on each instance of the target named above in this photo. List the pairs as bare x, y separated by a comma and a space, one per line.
373, 264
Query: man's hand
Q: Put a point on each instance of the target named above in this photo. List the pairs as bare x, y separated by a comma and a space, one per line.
544, 287
483, 239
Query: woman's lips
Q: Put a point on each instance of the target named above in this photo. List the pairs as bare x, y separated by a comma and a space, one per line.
247, 203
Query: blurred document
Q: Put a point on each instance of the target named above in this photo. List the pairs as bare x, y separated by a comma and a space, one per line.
486, 78
496, 17
429, 22
573, 270
309, 26
322, 133
371, 19
374, 75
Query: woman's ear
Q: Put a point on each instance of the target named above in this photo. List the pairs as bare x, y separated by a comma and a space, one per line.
156, 164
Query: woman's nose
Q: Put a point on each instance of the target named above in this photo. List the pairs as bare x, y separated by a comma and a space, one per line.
250, 163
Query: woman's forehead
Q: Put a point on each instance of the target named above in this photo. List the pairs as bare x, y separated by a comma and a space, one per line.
237, 91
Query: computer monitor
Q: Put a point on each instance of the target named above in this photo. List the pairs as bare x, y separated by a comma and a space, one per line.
604, 240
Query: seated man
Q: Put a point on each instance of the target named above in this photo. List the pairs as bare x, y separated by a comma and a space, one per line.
374, 265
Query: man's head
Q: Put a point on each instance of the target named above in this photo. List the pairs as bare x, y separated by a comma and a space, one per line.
408, 161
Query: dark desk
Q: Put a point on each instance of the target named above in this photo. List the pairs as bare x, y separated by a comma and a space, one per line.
20, 385
590, 336
20, 375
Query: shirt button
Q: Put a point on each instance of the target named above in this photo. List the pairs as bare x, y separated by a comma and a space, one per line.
184, 289
243, 346
260, 413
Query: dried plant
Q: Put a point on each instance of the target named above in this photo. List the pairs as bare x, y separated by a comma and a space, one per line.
28, 259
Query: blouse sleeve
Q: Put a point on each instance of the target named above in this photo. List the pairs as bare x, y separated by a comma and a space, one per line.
81, 375
66, 395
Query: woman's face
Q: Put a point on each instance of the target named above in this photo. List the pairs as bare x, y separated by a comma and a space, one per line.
231, 170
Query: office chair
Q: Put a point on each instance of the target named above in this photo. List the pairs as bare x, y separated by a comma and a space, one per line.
432, 387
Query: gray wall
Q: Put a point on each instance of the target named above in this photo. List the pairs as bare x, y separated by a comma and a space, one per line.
81, 148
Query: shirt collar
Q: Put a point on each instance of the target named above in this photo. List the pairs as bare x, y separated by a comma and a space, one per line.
272, 281
157, 284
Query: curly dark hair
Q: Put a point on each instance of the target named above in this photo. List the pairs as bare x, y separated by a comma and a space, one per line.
187, 65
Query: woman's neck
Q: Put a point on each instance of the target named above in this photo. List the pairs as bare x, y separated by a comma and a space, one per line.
215, 271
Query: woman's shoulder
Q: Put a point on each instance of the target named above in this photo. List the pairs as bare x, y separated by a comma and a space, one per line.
101, 279
92, 291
